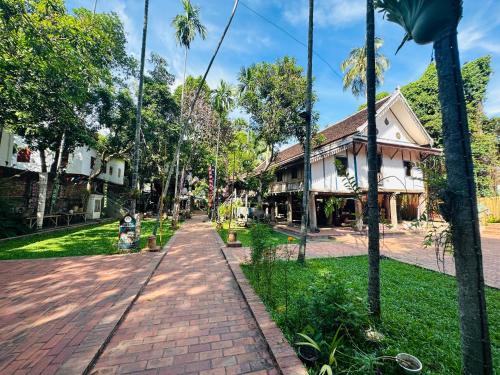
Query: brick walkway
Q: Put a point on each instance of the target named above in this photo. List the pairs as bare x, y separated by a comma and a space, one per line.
55, 314
191, 318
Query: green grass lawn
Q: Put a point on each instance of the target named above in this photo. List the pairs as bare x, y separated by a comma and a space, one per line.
243, 235
419, 307
93, 240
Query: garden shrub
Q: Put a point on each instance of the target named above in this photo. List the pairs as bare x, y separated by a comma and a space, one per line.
260, 240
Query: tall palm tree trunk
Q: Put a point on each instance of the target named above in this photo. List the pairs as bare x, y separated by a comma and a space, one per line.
185, 127
137, 140
216, 214
307, 144
175, 214
373, 213
461, 206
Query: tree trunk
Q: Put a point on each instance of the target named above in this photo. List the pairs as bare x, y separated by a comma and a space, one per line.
198, 91
307, 143
373, 212
175, 214
42, 190
137, 140
59, 172
215, 173
461, 205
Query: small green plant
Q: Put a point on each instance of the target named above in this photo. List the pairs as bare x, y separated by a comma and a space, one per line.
333, 204
327, 359
259, 238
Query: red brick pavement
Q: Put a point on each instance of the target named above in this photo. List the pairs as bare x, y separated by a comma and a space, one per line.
190, 319
55, 314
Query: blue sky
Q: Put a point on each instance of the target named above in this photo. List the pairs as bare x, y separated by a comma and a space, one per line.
339, 27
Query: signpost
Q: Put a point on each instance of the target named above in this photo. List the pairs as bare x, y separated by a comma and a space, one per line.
130, 232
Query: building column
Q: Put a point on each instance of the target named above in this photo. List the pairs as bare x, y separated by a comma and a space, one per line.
313, 222
289, 218
358, 210
394, 209
421, 208
272, 209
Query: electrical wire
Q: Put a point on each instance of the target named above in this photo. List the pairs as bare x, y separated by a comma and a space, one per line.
290, 35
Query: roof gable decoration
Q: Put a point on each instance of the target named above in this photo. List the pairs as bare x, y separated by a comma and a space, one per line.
408, 120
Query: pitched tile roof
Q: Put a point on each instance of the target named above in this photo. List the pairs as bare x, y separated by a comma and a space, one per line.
332, 133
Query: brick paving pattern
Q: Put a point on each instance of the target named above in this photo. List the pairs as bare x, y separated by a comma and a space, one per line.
190, 319
56, 313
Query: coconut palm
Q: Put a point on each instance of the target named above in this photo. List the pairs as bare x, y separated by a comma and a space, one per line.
373, 212
187, 26
307, 141
354, 68
137, 140
436, 21
222, 102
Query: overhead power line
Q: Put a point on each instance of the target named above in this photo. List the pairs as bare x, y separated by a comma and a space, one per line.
291, 36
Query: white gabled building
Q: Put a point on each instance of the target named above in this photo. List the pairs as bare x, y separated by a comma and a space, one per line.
15, 153
402, 144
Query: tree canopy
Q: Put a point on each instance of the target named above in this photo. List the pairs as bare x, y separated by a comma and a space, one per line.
53, 68
423, 98
274, 95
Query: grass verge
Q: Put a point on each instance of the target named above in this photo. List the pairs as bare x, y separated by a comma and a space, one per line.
93, 240
243, 235
419, 307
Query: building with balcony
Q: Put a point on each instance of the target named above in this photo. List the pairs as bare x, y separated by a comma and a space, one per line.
339, 167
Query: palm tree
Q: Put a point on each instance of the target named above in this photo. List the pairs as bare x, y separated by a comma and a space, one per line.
187, 26
373, 213
137, 140
436, 21
222, 102
307, 142
355, 66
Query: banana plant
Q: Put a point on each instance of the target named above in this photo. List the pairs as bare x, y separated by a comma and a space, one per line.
436, 21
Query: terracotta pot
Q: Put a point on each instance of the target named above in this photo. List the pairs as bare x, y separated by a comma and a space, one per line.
231, 236
152, 243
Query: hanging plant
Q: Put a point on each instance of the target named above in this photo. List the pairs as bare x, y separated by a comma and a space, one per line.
423, 20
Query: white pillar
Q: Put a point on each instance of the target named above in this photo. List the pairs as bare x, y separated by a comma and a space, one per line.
289, 217
358, 209
313, 223
394, 210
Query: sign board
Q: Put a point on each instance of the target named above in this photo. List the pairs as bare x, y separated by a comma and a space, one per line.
129, 233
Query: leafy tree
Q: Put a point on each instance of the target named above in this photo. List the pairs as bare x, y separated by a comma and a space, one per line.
53, 64
423, 96
355, 67
274, 95
186, 26
437, 22
379, 96
222, 102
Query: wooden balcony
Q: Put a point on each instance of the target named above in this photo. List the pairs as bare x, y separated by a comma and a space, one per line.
284, 187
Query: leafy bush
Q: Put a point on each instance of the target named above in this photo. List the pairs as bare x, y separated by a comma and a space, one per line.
260, 235
329, 304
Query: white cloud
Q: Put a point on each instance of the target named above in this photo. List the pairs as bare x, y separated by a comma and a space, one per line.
328, 13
